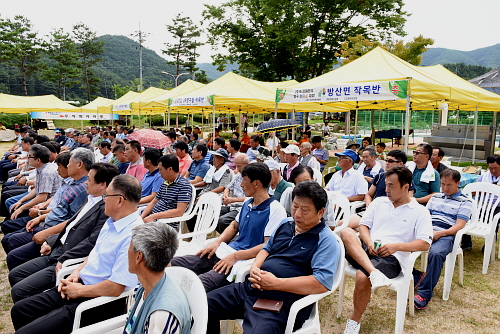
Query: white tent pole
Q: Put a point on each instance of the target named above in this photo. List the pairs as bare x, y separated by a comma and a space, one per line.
275, 110
407, 123
168, 115
294, 130
475, 137
213, 123
356, 124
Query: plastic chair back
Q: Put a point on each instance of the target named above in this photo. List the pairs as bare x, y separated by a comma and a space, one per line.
338, 208
487, 197
208, 209
196, 295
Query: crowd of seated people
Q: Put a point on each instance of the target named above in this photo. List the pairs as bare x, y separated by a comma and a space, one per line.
98, 196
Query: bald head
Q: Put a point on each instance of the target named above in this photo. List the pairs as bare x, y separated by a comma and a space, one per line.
241, 161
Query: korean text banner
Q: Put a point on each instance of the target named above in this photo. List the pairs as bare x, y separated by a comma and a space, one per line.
71, 116
121, 107
365, 91
195, 101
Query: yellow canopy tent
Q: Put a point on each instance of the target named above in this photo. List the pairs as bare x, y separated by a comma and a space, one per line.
26, 104
92, 106
160, 103
412, 87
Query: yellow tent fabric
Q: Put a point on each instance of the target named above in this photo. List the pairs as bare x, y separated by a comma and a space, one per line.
233, 92
160, 103
92, 106
106, 107
428, 86
26, 104
134, 100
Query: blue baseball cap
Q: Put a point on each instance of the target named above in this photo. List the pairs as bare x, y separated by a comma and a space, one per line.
350, 153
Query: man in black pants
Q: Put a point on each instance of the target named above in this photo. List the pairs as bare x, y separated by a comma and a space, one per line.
76, 240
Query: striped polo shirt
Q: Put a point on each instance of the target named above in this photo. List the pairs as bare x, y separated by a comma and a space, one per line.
172, 193
445, 210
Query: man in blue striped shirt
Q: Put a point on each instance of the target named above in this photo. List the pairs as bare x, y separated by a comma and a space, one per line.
174, 195
450, 211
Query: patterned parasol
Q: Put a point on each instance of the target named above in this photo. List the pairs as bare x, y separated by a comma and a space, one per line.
150, 138
277, 125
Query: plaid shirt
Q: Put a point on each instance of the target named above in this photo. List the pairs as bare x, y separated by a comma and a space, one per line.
47, 180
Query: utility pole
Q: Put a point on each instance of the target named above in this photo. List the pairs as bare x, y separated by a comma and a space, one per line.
141, 38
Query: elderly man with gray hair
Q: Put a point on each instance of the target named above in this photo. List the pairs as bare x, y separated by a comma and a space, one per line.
369, 166
306, 158
160, 304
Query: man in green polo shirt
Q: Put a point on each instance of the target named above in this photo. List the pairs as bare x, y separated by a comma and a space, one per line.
278, 184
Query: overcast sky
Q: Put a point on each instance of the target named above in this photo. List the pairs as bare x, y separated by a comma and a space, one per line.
455, 24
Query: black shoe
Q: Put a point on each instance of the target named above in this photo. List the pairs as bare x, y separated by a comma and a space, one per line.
467, 246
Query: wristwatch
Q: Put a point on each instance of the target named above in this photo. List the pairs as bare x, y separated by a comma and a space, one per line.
39, 213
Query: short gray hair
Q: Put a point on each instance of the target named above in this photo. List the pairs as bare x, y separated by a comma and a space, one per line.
371, 151
85, 156
307, 146
157, 242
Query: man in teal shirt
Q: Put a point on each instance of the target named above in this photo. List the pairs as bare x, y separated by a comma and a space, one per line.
425, 177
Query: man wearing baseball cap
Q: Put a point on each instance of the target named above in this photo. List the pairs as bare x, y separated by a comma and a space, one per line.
278, 184
292, 153
348, 181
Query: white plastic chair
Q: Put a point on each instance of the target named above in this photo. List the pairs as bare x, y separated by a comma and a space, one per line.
356, 205
317, 176
451, 258
208, 210
195, 293
311, 325
67, 269
338, 208
403, 285
487, 198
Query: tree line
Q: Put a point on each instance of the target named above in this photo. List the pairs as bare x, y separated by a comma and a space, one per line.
269, 40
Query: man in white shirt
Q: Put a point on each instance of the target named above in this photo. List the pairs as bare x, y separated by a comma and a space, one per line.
272, 142
399, 225
348, 181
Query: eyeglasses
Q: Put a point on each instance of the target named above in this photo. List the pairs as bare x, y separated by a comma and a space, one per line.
417, 153
104, 196
30, 156
390, 161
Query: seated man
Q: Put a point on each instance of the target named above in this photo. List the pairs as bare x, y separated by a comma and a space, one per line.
160, 305
299, 174
121, 157
199, 166
218, 176
278, 184
182, 152
255, 223
320, 153
348, 181
306, 158
103, 273
105, 149
65, 203
292, 153
436, 158
425, 177
152, 180
300, 258
72, 239
133, 154
370, 167
234, 196
375, 266
174, 195
46, 184
450, 211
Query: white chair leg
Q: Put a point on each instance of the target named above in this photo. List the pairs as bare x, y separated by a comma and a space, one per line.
411, 297
341, 296
449, 267
401, 310
423, 261
487, 255
460, 256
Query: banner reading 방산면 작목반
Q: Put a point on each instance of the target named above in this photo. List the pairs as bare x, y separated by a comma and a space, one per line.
365, 91
192, 101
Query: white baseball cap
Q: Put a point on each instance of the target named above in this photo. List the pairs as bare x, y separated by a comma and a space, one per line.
291, 149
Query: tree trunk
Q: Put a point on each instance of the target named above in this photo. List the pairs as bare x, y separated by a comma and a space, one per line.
23, 74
